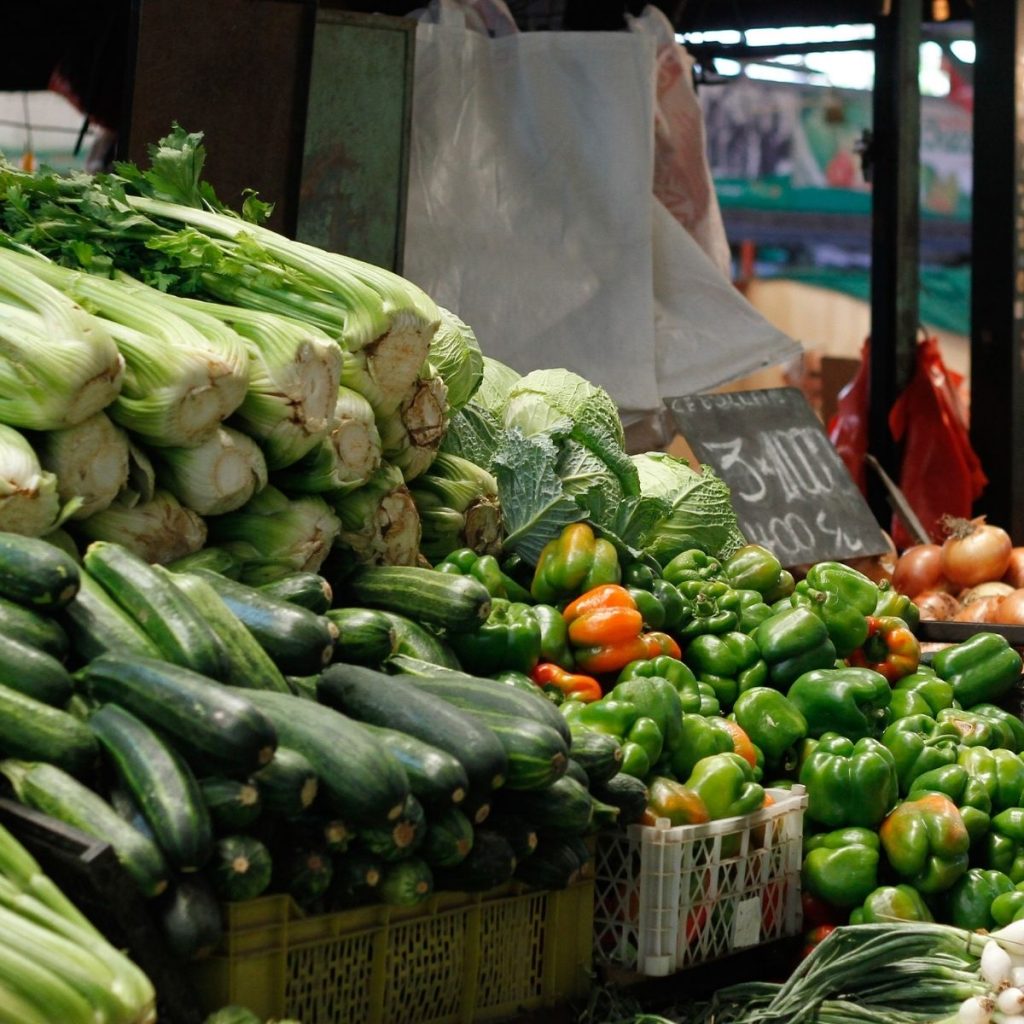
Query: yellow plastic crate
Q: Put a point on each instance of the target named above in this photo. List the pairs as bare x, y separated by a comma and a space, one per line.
455, 959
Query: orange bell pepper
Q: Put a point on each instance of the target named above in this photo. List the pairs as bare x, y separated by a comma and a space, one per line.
605, 626
611, 657
662, 643
570, 684
608, 595
741, 742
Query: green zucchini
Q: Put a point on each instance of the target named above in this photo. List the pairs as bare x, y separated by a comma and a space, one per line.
579, 846
246, 663
161, 783
414, 641
46, 788
234, 1015
303, 686
365, 636
457, 603
124, 804
554, 865
97, 625
448, 839
314, 829
360, 778
576, 771
490, 863
400, 838
35, 731
335, 835
242, 868
214, 558
477, 809
30, 627
33, 672
208, 722
231, 803
304, 874
537, 756
394, 703
190, 919
406, 884
563, 809
166, 616
35, 573
63, 541
626, 793
515, 830
436, 778
288, 785
599, 754
355, 880
305, 589
299, 641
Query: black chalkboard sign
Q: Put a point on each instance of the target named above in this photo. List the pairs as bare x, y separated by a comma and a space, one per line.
790, 489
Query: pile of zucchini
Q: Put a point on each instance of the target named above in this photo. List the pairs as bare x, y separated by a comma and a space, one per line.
231, 741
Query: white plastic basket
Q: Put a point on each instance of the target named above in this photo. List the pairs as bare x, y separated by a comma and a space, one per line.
668, 898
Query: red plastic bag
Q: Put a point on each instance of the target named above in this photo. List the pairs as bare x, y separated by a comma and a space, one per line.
941, 473
848, 428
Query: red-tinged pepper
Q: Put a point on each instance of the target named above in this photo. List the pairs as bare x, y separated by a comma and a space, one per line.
661, 645
605, 626
742, 743
610, 595
572, 563
814, 938
570, 684
611, 657
891, 649
669, 799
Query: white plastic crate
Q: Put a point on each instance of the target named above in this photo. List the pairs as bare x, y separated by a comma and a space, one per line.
668, 898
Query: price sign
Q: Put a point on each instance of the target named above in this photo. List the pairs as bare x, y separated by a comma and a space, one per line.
790, 489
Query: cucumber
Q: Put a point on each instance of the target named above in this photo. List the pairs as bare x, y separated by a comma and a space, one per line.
576, 771
305, 589
361, 779
448, 839
457, 603
216, 559
162, 785
436, 778
231, 804
46, 788
166, 616
407, 884
355, 880
97, 625
288, 785
394, 703
304, 874
599, 754
242, 868
35, 573
490, 863
626, 793
190, 919
33, 672
476, 694
35, 731
246, 663
365, 636
30, 627
515, 830
299, 641
554, 865
207, 721
563, 809
400, 838
413, 641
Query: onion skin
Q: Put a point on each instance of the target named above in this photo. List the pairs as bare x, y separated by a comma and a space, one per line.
984, 610
1011, 609
975, 552
1014, 574
937, 605
991, 589
919, 569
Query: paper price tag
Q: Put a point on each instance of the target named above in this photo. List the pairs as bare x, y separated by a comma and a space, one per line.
746, 929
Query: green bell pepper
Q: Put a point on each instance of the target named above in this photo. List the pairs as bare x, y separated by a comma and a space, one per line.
646, 733
919, 744
655, 698
981, 669
692, 564
892, 903
968, 793
635, 761
1007, 907
695, 697
611, 716
753, 568
700, 739
554, 636
648, 606
573, 563
969, 902
848, 783
793, 642
676, 609
925, 840
892, 603
773, 723
1005, 843
782, 589
752, 615
509, 639
725, 782
637, 574
706, 615
922, 693
731, 663
841, 867
1011, 721
849, 584
850, 701
978, 730
1001, 772
487, 570
847, 628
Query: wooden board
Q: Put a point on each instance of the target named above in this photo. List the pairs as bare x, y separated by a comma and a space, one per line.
790, 489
